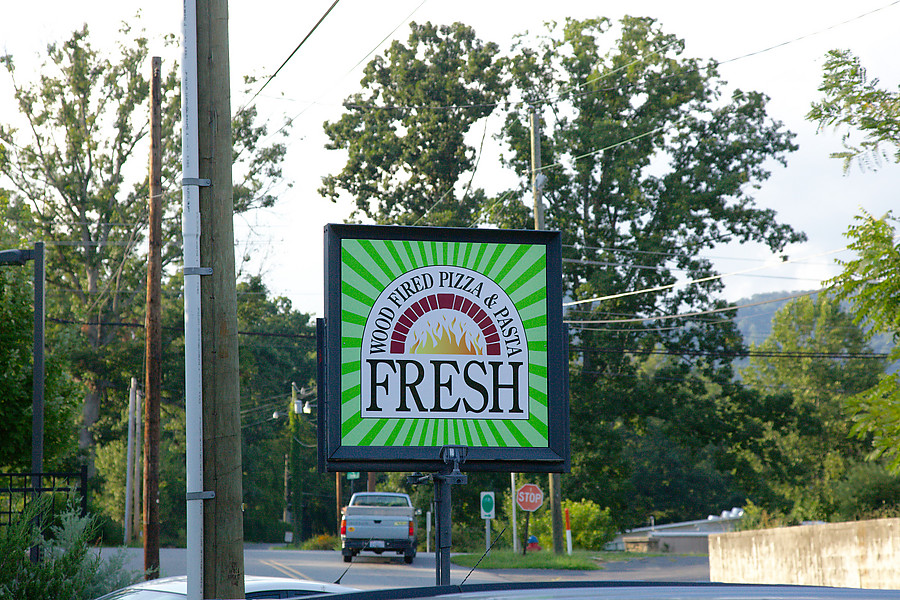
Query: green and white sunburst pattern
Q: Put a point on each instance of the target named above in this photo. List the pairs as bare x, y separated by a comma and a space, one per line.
369, 266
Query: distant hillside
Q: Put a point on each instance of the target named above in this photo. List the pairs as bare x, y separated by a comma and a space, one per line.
755, 322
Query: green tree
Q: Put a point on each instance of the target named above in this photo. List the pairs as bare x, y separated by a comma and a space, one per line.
277, 349
856, 104
648, 164
16, 375
871, 284
76, 172
672, 481
813, 356
408, 161
868, 491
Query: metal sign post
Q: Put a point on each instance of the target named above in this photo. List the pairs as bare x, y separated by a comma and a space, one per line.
453, 457
487, 513
529, 497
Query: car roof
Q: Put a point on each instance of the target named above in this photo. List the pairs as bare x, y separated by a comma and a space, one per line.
253, 583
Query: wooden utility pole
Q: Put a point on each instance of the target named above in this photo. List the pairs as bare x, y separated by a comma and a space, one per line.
153, 332
536, 175
223, 532
337, 493
537, 179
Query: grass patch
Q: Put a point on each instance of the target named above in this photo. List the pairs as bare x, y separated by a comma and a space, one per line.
579, 561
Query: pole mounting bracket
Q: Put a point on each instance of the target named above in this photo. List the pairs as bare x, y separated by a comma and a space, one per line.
200, 495
196, 181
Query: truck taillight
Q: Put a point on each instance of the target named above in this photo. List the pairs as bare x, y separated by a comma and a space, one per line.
412, 530
343, 526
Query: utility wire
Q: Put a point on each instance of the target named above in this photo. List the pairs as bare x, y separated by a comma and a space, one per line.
693, 314
278, 70
676, 254
372, 51
557, 97
658, 268
784, 260
141, 326
737, 354
660, 288
469, 186
718, 63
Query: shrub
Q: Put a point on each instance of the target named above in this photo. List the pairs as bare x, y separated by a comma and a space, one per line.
69, 569
758, 517
592, 526
322, 542
868, 491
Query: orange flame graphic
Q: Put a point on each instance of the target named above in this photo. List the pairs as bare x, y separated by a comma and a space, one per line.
446, 336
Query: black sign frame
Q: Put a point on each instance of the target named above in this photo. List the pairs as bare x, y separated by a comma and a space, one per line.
337, 456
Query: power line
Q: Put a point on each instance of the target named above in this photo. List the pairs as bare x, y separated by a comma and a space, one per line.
692, 314
471, 178
660, 288
737, 354
599, 263
755, 385
372, 51
278, 70
559, 96
666, 254
141, 326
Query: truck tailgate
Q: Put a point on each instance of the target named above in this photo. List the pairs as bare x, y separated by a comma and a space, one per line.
380, 523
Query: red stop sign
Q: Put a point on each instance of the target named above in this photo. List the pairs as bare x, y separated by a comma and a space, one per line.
529, 497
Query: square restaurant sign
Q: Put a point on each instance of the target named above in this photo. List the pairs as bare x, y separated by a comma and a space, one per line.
438, 337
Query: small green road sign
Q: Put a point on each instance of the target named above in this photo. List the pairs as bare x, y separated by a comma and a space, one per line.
487, 505
352, 475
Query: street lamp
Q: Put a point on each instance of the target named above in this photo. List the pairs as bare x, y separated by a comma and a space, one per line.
299, 516
298, 394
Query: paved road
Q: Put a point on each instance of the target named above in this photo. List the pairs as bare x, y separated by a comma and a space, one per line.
373, 572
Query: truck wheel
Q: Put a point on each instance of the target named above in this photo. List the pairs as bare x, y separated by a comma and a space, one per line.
348, 558
408, 558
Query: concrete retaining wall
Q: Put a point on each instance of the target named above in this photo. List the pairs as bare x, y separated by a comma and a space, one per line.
860, 554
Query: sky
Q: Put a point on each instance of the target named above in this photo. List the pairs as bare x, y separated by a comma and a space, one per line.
786, 40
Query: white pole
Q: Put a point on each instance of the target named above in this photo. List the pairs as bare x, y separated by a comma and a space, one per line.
138, 479
515, 534
487, 535
190, 228
568, 533
428, 531
129, 461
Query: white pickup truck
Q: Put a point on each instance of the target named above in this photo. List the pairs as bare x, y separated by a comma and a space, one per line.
379, 522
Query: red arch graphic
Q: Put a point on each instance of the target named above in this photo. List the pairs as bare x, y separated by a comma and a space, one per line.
448, 301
